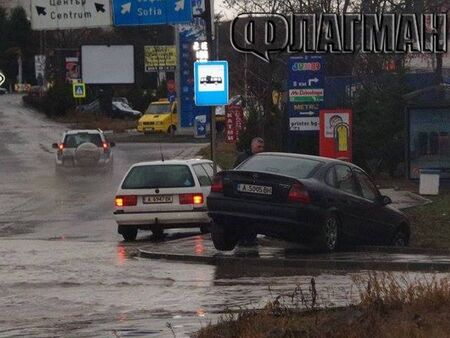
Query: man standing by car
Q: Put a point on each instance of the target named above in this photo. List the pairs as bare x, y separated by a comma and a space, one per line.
256, 146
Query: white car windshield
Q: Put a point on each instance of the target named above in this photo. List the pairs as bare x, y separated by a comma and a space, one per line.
158, 109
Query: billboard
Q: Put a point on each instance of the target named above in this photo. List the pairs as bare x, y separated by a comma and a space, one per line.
102, 64
306, 92
234, 122
39, 68
72, 67
336, 133
160, 58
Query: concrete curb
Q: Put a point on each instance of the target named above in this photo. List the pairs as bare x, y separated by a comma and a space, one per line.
314, 264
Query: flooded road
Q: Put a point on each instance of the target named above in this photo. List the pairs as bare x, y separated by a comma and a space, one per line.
65, 272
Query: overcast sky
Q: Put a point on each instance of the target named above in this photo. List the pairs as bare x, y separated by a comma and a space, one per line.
219, 7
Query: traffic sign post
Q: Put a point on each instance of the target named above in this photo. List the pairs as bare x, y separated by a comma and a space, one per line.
211, 83
137, 13
79, 90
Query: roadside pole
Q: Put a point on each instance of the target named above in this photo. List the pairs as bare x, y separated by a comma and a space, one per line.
207, 17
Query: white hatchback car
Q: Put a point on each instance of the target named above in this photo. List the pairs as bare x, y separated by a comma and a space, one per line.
160, 195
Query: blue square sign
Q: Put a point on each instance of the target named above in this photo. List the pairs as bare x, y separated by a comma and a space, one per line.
151, 12
211, 83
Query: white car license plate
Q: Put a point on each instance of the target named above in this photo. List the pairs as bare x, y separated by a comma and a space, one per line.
255, 189
152, 199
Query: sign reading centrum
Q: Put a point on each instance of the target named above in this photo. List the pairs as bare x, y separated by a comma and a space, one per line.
67, 14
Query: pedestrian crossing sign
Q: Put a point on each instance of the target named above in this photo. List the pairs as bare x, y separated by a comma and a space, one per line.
79, 90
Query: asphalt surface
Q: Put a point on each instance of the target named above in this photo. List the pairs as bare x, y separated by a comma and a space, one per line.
66, 272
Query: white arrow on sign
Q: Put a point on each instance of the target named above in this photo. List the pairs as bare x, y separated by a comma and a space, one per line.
313, 80
179, 5
308, 113
126, 8
2, 78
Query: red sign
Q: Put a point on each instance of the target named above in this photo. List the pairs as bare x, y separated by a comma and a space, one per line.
171, 86
336, 133
234, 123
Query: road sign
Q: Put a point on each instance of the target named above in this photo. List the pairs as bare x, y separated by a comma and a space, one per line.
171, 86
79, 90
68, 14
151, 12
304, 123
211, 83
306, 80
2, 78
306, 92
306, 95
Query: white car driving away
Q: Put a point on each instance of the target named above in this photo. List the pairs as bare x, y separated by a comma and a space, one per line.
160, 195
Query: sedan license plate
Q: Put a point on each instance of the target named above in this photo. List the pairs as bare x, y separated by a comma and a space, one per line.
153, 199
254, 189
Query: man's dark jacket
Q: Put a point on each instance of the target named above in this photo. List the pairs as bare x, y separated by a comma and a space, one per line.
242, 157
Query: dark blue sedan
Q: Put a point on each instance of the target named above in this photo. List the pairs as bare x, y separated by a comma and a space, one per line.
322, 202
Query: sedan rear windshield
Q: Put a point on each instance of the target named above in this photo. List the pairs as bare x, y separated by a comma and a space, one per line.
74, 140
284, 165
158, 176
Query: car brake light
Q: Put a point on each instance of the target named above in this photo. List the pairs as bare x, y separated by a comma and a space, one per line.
126, 201
217, 184
298, 193
105, 147
196, 198
61, 146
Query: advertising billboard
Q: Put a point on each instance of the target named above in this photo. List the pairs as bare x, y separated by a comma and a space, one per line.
160, 58
107, 64
336, 133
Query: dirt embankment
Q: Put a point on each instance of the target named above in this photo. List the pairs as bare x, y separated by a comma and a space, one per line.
389, 307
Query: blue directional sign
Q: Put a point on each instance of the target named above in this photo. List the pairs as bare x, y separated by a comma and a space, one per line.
151, 12
306, 86
211, 83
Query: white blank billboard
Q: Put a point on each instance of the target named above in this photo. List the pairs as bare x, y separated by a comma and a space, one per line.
107, 64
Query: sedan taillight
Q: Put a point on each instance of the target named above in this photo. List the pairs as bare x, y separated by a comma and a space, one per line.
196, 198
298, 193
126, 201
217, 184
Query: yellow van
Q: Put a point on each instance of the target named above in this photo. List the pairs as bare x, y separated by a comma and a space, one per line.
160, 117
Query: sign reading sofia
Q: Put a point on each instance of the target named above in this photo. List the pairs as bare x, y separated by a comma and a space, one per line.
336, 133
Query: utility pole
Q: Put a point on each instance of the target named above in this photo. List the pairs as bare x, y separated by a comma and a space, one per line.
208, 15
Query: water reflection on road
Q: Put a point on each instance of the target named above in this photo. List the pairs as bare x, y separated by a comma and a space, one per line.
65, 287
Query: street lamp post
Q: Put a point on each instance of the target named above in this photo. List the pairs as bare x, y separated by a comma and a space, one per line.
203, 53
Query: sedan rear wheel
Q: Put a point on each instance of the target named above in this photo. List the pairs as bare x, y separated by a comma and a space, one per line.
328, 237
224, 238
129, 234
158, 233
